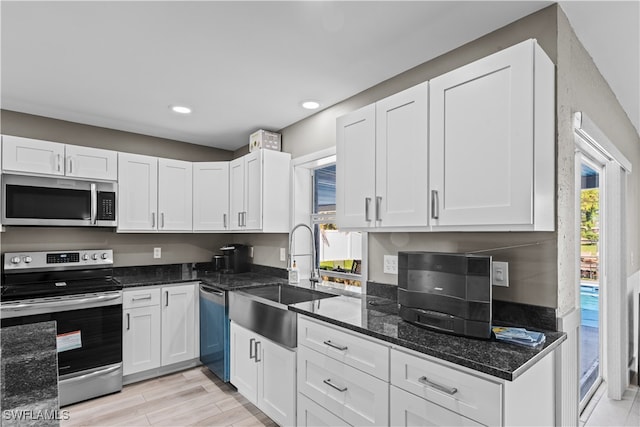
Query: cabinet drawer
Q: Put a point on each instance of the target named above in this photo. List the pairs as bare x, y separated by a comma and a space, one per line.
141, 298
458, 391
360, 353
410, 410
352, 395
310, 414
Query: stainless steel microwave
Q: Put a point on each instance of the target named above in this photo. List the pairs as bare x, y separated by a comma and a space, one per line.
34, 200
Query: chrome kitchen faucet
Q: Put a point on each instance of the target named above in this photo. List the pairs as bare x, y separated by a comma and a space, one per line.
313, 278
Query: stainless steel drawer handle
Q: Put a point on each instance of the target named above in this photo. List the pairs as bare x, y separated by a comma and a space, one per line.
128, 321
251, 348
442, 388
332, 385
140, 298
336, 346
378, 208
167, 295
224, 220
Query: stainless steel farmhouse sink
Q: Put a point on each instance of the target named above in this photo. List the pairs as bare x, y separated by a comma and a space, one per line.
265, 310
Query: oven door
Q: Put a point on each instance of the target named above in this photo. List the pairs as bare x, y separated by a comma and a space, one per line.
89, 327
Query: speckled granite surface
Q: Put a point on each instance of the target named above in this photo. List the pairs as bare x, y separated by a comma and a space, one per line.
378, 317
175, 273
29, 375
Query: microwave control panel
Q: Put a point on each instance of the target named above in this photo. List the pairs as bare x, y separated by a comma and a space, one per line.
106, 206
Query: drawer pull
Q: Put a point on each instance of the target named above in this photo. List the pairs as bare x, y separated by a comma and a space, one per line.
442, 388
332, 385
140, 298
336, 346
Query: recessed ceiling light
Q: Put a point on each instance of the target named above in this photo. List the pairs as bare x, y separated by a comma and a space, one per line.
180, 109
310, 105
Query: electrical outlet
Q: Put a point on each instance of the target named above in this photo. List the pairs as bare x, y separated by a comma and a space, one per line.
391, 264
250, 251
157, 252
500, 273
283, 254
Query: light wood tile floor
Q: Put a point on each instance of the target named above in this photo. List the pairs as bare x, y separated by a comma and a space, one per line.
194, 397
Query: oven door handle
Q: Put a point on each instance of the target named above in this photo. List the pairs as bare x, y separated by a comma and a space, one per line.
62, 303
90, 375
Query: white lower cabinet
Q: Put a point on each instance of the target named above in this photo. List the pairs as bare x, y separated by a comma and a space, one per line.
466, 394
159, 327
347, 378
346, 375
265, 373
178, 324
310, 414
357, 397
141, 331
410, 410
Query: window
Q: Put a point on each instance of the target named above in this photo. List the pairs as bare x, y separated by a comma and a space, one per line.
339, 252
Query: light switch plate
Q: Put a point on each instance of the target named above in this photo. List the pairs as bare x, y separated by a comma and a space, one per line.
500, 273
390, 264
283, 254
157, 252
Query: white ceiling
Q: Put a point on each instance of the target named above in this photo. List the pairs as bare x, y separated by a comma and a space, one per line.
244, 66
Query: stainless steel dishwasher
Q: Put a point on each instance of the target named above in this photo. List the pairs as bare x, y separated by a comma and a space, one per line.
214, 331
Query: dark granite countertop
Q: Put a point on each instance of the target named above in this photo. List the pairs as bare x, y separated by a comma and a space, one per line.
131, 277
378, 317
29, 375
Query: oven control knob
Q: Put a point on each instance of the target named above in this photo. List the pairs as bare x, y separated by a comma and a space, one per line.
85, 257
94, 256
28, 259
15, 260
104, 255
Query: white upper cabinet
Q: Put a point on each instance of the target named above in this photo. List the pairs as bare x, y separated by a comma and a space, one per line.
211, 196
93, 163
470, 150
155, 194
175, 195
32, 155
492, 143
402, 155
355, 168
382, 163
52, 158
259, 192
137, 192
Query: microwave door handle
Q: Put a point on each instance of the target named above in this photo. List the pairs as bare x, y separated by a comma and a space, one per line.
94, 204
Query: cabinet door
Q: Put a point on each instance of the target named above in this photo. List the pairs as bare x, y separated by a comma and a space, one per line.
310, 414
137, 192
358, 398
277, 382
178, 323
211, 196
32, 155
244, 367
481, 141
91, 163
175, 195
253, 190
141, 339
236, 193
355, 169
407, 410
402, 171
